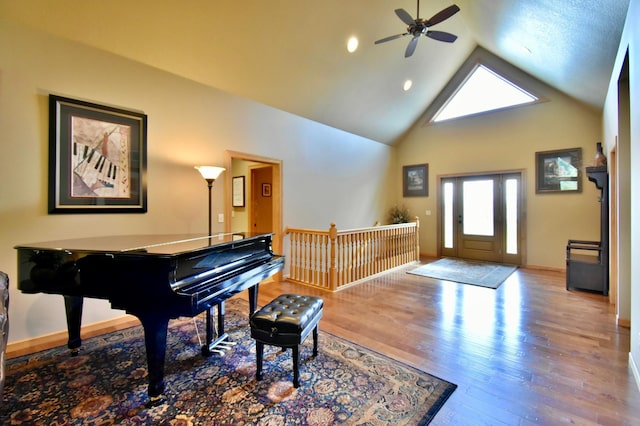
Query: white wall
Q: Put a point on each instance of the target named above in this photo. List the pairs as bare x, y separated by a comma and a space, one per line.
328, 175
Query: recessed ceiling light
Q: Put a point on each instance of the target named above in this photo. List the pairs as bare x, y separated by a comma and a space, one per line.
525, 49
407, 85
352, 44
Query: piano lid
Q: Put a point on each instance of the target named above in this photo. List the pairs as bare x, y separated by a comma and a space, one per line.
169, 244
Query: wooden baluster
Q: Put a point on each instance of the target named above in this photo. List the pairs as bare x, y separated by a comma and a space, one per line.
404, 246
344, 245
355, 257
293, 268
316, 257
355, 254
312, 258
309, 276
379, 248
327, 262
417, 238
301, 257
365, 254
305, 266
324, 266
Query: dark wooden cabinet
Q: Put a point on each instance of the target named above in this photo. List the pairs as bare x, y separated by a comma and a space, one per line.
588, 261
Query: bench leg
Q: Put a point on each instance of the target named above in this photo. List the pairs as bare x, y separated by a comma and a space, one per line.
259, 352
315, 340
296, 372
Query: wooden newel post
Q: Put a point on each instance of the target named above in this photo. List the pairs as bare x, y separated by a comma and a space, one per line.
417, 238
333, 273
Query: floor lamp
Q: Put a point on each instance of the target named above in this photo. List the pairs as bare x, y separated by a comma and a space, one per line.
210, 174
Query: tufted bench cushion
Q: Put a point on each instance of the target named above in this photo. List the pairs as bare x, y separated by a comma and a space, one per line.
286, 322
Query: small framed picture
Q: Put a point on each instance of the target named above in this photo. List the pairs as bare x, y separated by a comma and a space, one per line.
266, 190
97, 158
238, 197
415, 180
559, 170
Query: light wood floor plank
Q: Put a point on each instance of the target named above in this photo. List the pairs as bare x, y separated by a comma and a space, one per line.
528, 353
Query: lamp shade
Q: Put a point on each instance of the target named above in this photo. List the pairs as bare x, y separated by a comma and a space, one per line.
210, 172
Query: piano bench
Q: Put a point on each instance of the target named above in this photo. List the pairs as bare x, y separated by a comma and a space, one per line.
285, 322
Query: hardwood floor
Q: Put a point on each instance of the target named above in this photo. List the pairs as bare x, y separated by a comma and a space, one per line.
528, 353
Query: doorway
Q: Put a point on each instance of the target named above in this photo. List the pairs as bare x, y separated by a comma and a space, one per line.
620, 175
261, 205
263, 184
482, 217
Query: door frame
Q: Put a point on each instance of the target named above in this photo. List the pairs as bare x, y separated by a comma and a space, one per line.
276, 194
521, 199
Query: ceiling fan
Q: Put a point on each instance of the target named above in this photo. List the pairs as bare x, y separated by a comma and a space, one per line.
417, 27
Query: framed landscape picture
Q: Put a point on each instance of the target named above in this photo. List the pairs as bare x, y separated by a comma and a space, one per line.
97, 158
415, 180
559, 170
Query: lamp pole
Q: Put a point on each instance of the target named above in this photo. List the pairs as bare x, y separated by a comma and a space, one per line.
210, 185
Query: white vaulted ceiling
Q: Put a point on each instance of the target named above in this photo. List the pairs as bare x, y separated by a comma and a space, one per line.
291, 54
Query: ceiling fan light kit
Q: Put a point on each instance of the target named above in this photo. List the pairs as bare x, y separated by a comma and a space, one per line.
419, 26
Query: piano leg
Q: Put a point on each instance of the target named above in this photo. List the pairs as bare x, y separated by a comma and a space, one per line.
73, 309
253, 299
221, 318
155, 338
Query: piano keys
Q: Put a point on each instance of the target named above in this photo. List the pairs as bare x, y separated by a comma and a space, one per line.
94, 169
154, 277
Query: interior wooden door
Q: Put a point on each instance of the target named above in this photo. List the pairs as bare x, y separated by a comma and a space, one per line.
261, 206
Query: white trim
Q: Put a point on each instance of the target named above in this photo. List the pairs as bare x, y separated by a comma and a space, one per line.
634, 369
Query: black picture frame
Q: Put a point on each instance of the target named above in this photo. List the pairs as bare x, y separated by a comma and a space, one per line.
97, 158
237, 191
415, 180
559, 171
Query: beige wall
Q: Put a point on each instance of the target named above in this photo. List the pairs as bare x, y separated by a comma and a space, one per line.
328, 175
508, 140
628, 155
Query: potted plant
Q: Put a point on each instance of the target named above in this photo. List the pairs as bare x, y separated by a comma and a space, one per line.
399, 215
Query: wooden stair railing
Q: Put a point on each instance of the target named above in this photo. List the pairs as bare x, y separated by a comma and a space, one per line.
333, 260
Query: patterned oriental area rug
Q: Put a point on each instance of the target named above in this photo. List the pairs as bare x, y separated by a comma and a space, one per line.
484, 274
106, 383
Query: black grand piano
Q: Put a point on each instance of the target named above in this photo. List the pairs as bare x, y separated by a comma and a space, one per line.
154, 277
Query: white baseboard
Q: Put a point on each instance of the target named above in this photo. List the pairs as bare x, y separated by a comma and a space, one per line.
634, 370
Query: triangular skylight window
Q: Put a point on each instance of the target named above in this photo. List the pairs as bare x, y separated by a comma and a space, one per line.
483, 90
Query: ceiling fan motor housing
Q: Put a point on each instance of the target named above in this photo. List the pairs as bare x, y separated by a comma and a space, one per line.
418, 27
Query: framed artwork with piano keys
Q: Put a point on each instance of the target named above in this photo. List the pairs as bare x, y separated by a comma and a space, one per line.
97, 158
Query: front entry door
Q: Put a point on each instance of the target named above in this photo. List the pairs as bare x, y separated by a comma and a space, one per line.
481, 217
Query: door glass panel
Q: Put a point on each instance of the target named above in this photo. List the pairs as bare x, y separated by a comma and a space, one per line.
511, 202
448, 214
478, 207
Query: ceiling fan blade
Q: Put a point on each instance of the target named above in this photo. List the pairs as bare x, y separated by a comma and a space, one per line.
442, 36
404, 16
411, 47
393, 37
445, 13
